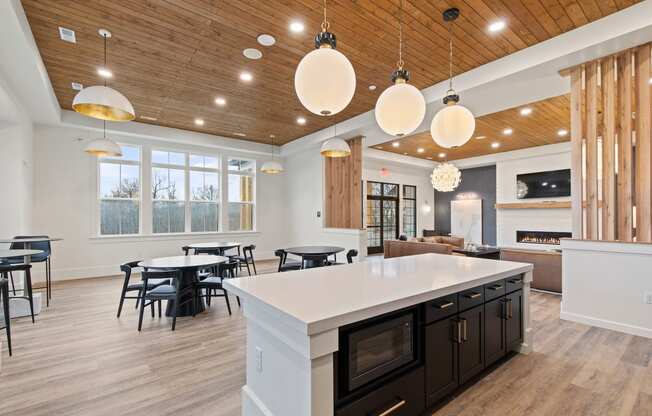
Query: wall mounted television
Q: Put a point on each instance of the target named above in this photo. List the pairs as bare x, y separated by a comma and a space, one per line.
549, 184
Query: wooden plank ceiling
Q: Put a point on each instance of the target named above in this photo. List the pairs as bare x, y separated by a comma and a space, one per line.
172, 58
539, 128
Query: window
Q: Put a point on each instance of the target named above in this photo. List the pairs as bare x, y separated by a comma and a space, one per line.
241, 194
168, 192
204, 193
410, 210
119, 192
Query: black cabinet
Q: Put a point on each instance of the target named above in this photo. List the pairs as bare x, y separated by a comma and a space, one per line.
503, 326
514, 320
454, 352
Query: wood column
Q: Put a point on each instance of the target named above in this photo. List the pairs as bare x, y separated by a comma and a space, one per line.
343, 188
611, 137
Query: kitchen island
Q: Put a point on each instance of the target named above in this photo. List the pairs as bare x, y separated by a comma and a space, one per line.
345, 339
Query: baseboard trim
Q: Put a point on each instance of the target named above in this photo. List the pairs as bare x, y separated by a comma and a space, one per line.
252, 405
606, 324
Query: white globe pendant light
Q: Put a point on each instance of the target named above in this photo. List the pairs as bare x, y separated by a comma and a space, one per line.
325, 80
454, 124
445, 177
272, 167
103, 147
101, 101
400, 108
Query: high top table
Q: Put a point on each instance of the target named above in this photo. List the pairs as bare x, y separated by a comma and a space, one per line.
189, 266
26, 255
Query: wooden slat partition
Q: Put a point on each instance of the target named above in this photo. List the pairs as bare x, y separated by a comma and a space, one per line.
624, 189
343, 188
611, 136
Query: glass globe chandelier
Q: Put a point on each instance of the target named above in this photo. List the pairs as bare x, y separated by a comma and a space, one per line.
325, 80
272, 167
445, 177
335, 147
401, 107
454, 124
103, 147
101, 101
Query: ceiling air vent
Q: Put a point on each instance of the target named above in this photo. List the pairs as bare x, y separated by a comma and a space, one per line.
67, 35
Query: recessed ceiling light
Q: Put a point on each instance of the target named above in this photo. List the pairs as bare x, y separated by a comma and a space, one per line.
67, 35
395, 144
266, 40
495, 145
199, 121
420, 150
429, 157
553, 185
526, 111
104, 72
544, 183
221, 101
296, 27
252, 53
380, 147
76, 86
562, 132
480, 137
650, 80
239, 134
372, 87
301, 120
246, 76
508, 131
497, 26
405, 153
148, 118
442, 155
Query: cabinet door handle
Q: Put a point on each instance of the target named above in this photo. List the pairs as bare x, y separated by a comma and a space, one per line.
392, 409
464, 329
503, 309
458, 331
496, 287
473, 295
510, 312
444, 305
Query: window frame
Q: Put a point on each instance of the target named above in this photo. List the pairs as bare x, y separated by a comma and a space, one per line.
414, 208
168, 166
253, 174
219, 202
98, 189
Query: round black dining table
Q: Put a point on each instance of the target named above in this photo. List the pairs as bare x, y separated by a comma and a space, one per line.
218, 246
314, 250
188, 267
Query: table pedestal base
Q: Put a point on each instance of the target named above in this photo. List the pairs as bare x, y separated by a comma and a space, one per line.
188, 277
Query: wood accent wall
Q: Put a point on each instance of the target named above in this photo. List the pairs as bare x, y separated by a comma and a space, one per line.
611, 136
343, 188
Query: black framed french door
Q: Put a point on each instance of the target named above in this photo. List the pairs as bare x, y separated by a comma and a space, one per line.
382, 214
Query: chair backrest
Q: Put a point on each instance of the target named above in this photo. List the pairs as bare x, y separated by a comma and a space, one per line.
281, 254
313, 260
351, 254
127, 267
228, 269
39, 245
159, 274
185, 250
249, 251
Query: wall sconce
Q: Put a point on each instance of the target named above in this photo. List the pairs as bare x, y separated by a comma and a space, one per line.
426, 208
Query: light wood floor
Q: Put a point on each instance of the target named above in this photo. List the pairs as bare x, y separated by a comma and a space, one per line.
80, 360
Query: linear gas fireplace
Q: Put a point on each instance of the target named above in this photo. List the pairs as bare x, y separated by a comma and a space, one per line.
541, 237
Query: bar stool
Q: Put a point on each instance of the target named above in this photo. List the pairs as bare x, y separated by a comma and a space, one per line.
4, 297
6, 269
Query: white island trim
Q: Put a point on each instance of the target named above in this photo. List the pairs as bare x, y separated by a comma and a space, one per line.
293, 319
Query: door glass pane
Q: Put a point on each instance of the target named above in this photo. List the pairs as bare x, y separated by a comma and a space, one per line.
390, 189
374, 188
389, 220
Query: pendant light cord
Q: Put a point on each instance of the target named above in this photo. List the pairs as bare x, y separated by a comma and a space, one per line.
325, 25
400, 35
105, 84
450, 56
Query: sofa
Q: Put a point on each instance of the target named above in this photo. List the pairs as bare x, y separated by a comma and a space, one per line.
547, 266
422, 245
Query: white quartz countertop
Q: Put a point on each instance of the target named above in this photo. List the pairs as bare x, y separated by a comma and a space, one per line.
324, 298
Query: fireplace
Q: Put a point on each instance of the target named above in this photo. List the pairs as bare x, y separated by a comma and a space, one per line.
541, 237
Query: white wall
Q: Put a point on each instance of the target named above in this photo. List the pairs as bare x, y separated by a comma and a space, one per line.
405, 175
65, 206
605, 283
510, 220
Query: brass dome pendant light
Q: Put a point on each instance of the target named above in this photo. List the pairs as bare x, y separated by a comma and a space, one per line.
400, 109
454, 124
325, 80
272, 167
103, 147
101, 101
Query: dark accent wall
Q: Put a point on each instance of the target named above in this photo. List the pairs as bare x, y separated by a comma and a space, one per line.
478, 181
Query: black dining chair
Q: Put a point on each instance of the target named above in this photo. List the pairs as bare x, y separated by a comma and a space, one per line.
169, 292
127, 286
283, 264
6, 269
247, 260
186, 250
212, 285
349, 257
4, 297
310, 261
36, 258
